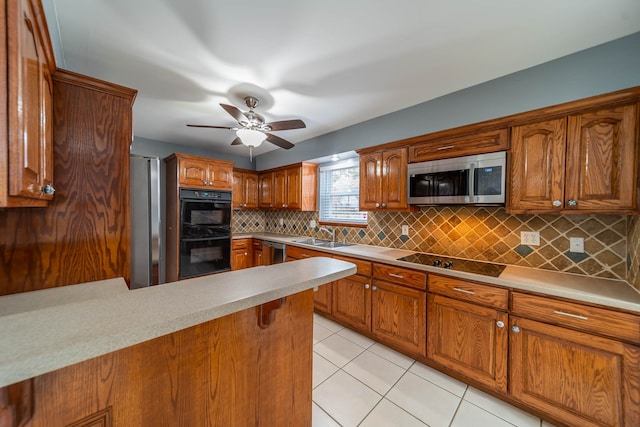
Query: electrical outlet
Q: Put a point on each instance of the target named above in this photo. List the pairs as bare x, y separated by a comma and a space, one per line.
576, 244
312, 223
405, 229
530, 238
281, 221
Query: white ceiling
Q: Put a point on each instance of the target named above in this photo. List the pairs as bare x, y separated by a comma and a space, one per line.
331, 63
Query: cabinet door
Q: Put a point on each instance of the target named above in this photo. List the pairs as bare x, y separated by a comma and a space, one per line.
265, 187
220, 176
46, 146
250, 184
394, 179
578, 378
322, 298
280, 189
602, 159
237, 190
537, 166
25, 90
399, 316
469, 339
352, 301
294, 188
193, 173
370, 181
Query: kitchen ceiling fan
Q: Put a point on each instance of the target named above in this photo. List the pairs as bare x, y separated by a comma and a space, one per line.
253, 130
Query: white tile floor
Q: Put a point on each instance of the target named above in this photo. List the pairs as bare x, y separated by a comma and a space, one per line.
358, 382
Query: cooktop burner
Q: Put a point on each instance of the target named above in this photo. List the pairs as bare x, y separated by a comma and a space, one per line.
477, 267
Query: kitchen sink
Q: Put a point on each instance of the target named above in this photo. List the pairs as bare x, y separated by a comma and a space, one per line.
322, 243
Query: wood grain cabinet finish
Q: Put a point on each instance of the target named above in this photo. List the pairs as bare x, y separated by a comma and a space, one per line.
323, 295
257, 252
577, 378
383, 180
470, 339
241, 254
26, 172
399, 316
584, 163
352, 302
289, 188
466, 145
200, 172
245, 189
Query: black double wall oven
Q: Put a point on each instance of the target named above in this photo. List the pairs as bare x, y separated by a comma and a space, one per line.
205, 232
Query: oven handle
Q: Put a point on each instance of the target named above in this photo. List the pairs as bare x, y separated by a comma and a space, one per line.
472, 173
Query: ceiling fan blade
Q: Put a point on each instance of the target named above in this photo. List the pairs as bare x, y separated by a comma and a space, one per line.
235, 113
286, 124
236, 141
282, 143
212, 127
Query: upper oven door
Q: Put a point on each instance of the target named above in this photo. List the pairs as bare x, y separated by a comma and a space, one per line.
205, 218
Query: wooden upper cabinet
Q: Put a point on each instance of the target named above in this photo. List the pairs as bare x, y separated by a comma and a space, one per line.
538, 165
289, 188
586, 163
245, 189
201, 172
456, 146
265, 190
383, 180
602, 159
28, 179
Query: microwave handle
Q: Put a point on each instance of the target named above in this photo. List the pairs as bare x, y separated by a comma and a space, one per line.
472, 174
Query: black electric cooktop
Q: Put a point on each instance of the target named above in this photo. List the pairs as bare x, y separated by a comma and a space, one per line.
476, 267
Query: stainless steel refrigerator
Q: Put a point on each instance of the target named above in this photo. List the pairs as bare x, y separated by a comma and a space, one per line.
147, 268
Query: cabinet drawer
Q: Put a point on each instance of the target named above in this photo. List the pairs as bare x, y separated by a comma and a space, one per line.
257, 245
363, 267
300, 253
469, 291
591, 319
237, 244
403, 276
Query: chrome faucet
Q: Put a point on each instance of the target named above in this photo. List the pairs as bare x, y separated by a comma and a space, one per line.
330, 231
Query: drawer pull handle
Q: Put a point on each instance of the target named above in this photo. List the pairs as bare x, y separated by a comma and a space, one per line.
447, 147
305, 255
398, 276
464, 291
575, 316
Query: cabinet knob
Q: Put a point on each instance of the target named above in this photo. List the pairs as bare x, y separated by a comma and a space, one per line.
515, 329
366, 286
500, 324
47, 189
245, 254
573, 203
374, 288
384, 205
556, 203
377, 205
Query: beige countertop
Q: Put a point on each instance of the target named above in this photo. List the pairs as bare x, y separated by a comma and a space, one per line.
48, 333
607, 292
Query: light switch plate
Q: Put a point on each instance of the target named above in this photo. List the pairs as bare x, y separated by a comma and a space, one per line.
530, 238
312, 223
281, 221
576, 244
405, 229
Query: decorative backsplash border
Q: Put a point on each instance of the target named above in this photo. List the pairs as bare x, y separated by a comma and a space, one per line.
484, 234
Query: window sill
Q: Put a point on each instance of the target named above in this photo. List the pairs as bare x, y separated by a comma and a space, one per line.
343, 224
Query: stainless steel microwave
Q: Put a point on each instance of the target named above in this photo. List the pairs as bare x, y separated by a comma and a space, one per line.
478, 179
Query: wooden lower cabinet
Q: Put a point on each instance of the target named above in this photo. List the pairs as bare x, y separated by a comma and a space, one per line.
225, 372
322, 298
470, 339
241, 256
578, 378
257, 252
399, 316
352, 302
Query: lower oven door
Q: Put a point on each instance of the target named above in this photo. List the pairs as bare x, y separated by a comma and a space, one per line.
204, 256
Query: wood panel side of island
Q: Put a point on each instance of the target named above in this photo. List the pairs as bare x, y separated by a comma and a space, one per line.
224, 372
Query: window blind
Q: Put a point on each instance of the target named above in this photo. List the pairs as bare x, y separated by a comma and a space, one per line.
340, 193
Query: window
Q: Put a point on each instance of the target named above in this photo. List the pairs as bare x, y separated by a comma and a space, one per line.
339, 193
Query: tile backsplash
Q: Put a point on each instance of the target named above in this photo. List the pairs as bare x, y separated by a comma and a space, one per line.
484, 234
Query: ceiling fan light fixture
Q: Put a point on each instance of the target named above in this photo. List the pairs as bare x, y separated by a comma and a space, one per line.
250, 137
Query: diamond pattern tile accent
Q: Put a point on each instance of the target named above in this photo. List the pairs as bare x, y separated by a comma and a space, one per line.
612, 242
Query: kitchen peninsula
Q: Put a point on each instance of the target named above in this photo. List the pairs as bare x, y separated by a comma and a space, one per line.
226, 349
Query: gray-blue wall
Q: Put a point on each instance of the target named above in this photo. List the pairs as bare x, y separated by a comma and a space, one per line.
601, 69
